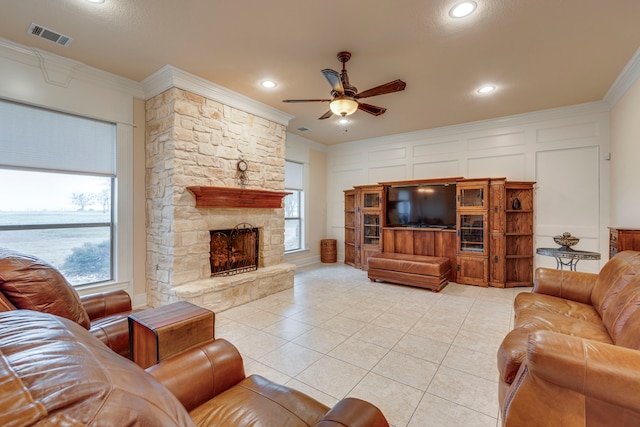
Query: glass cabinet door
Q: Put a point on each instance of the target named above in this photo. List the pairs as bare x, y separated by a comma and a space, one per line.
371, 229
471, 229
471, 197
371, 200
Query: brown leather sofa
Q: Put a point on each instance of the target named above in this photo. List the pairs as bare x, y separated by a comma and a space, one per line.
53, 372
27, 282
572, 358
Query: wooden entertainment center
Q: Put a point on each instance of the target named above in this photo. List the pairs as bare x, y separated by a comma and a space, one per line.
491, 244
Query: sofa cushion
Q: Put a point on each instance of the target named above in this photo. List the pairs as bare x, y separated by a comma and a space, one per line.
264, 403
629, 336
30, 283
569, 308
533, 319
620, 311
613, 278
74, 376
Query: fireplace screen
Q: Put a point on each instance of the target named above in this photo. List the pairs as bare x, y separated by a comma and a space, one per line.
234, 251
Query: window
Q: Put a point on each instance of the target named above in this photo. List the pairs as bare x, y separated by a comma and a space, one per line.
293, 206
56, 198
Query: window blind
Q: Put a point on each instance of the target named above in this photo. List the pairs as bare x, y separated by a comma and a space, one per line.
293, 176
37, 138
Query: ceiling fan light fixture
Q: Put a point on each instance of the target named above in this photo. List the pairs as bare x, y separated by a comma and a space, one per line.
343, 106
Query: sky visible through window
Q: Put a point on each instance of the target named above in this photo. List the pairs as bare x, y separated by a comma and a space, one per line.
22, 191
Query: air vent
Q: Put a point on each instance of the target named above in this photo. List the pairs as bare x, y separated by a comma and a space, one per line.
47, 34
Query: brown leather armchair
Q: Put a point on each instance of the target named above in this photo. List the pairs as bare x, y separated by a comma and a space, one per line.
216, 392
29, 283
53, 372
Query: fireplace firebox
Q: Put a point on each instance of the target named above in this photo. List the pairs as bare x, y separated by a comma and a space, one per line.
234, 251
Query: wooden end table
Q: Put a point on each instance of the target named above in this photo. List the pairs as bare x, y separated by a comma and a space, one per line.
159, 333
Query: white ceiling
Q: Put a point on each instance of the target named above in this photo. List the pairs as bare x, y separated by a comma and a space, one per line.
539, 53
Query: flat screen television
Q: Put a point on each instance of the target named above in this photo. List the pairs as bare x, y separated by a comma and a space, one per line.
423, 206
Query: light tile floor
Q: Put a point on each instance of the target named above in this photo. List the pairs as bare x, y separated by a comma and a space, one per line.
424, 358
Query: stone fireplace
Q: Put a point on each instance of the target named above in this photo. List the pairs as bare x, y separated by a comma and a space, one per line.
193, 186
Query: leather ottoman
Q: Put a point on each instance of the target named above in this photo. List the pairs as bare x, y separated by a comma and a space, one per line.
413, 270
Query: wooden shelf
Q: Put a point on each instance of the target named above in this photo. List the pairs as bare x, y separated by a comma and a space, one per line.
223, 197
512, 233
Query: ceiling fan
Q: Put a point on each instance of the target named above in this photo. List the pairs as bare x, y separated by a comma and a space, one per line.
345, 96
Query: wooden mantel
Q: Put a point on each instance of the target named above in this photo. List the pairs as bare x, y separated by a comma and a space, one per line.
223, 197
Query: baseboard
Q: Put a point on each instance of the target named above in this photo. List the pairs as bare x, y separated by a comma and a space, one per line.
139, 301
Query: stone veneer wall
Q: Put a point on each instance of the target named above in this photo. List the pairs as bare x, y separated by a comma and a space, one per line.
192, 140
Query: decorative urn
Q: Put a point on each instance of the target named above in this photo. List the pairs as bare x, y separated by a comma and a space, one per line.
566, 240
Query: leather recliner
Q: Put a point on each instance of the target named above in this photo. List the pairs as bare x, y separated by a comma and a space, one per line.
53, 372
29, 283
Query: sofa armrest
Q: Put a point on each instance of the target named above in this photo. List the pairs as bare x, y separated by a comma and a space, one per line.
106, 303
572, 285
604, 371
352, 412
201, 373
567, 377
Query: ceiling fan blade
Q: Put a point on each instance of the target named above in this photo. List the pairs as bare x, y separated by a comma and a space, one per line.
325, 115
394, 86
334, 79
306, 100
371, 109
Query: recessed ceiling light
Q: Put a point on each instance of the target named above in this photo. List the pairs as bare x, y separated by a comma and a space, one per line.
269, 84
96, 1
463, 9
343, 121
486, 89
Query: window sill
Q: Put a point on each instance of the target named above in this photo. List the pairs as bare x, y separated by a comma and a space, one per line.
296, 251
101, 287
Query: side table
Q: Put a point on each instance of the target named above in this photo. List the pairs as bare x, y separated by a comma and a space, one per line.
567, 257
159, 333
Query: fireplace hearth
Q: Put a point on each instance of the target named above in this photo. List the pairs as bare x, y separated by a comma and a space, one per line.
234, 251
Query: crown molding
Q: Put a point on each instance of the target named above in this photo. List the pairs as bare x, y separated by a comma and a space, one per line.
629, 75
168, 76
61, 71
489, 125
